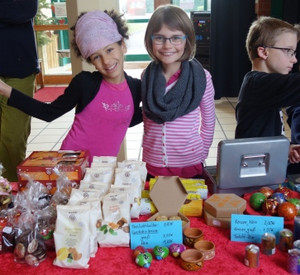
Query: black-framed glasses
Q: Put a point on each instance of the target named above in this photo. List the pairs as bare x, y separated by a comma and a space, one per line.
174, 40
289, 52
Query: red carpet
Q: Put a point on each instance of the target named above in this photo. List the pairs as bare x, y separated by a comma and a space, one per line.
229, 260
48, 94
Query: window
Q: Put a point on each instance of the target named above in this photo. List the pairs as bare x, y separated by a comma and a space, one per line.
137, 14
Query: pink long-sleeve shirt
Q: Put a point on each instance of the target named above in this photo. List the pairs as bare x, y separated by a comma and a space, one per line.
184, 142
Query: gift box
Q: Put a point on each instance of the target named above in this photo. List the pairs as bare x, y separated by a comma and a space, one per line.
219, 207
168, 195
39, 166
216, 222
223, 205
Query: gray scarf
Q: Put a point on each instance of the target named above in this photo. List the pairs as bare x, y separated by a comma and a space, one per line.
184, 97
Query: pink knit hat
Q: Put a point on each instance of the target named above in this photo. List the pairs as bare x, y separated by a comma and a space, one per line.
95, 30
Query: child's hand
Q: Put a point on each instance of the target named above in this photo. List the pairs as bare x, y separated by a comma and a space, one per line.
5, 89
294, 154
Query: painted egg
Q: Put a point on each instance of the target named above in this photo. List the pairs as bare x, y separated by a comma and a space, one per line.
267, 191
138, 250
287, 210
175, 249
296, 202
160, 252
284, 190
256, 200
270, 207
279, 197
144, 259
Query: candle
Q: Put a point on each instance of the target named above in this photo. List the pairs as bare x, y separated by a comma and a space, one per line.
293, 266
297, 228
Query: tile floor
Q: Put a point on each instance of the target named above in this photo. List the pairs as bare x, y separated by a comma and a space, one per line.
48, 136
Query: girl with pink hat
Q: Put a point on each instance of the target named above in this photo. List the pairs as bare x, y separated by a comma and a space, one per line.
106, 101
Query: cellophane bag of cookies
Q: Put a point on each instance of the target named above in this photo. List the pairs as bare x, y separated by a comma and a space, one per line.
46, 219
29, 245
71, 236
114, 231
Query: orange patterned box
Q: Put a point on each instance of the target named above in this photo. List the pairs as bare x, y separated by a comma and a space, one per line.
223, 205
40, 164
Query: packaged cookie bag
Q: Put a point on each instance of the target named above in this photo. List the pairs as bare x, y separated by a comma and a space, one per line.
101, 174
114, 231
104, 161
131, 177
71, 236
104, 187
95, 221
85, 194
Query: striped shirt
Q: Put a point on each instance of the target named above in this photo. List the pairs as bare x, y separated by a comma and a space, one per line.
185, 141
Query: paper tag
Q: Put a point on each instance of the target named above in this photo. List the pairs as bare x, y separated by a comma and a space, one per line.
250, 228
150, 234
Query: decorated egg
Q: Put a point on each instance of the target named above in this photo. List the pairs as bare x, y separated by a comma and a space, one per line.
287, 210
296, 202
160, 252
144, 259
256, 200
280, 197
267, 191
284, 190
175, 249
138, 250
270, 207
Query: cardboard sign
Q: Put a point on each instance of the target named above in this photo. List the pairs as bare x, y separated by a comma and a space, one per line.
250, 228
150, 234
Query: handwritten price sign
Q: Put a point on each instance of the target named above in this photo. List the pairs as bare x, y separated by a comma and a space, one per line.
150, 234
250, 228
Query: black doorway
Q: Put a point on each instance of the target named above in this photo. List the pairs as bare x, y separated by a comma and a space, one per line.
230, 21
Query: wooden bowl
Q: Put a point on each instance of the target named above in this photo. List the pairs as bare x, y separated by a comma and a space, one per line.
206, 247
191, 259
191, 235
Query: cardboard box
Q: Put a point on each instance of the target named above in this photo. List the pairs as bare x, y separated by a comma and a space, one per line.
223, 205
168, 195
39, 166
216, 222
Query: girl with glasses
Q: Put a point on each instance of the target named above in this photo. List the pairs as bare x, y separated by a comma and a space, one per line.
177, 96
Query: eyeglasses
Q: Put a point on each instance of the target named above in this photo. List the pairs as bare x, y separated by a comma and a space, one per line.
289, 52
174, 40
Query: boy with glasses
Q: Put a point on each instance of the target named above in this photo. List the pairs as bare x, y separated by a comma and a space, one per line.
271, 45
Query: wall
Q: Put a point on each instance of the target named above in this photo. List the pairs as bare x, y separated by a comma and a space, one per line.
263, 7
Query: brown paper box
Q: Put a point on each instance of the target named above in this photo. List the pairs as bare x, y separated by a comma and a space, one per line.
216, 222
168, 195
225, 204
